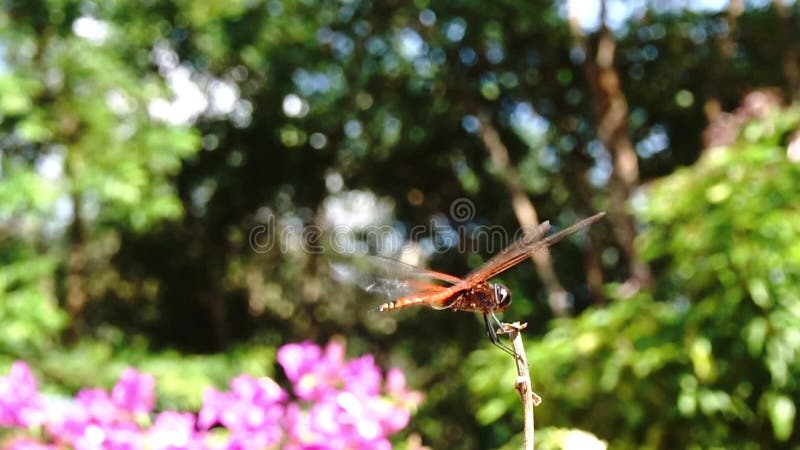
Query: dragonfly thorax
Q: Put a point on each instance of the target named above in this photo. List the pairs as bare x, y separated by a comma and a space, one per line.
484, 298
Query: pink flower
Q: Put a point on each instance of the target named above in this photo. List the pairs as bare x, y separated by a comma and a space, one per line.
96, 419
98, 405
252, 411
27, 444
134, 392
93, 421
263, 391
398, 391
173, 430
20, 402
337, 404
362, 376
67, 420
214, 404
316, 374
298, 359
123, 436
347, 408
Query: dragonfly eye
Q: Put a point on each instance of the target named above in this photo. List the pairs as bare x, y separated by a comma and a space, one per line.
503, 296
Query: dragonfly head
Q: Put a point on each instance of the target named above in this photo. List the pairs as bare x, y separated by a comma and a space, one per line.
502, 297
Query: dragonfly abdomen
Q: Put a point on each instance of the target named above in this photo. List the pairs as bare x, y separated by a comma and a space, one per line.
437, 300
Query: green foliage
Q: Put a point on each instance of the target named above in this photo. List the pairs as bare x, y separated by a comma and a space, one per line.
29, 312
80, 159
711, 356
105, 202
733, 253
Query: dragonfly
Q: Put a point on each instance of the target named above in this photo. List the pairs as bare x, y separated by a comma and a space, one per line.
413, 286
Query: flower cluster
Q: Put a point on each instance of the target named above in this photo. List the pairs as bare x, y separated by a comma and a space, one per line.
333, 404
339, 403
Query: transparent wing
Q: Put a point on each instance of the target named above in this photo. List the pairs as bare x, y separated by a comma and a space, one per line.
511, 255
398, 269
390, 277
524, 247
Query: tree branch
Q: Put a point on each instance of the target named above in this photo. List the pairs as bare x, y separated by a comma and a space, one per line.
525, 211
523, 381
611, 108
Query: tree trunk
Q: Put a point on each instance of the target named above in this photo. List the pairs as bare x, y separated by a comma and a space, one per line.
791, 62
75, 283
592, 261
612, 130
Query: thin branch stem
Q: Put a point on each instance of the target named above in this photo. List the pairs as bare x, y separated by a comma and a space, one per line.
523, 381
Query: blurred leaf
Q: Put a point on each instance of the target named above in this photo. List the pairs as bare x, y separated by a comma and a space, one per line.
782, 413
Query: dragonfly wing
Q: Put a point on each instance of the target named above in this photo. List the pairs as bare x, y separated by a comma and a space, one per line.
398, 269
392, 278
390, 287
524, 247
511, 255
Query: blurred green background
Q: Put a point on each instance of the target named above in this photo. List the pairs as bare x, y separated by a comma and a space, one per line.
151, 150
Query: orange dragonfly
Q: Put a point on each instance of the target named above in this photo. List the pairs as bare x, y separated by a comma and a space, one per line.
412, 286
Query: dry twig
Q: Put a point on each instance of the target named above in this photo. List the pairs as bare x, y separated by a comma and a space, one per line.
523, 382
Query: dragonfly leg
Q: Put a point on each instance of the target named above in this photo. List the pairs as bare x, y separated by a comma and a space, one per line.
492, 333
497, 321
